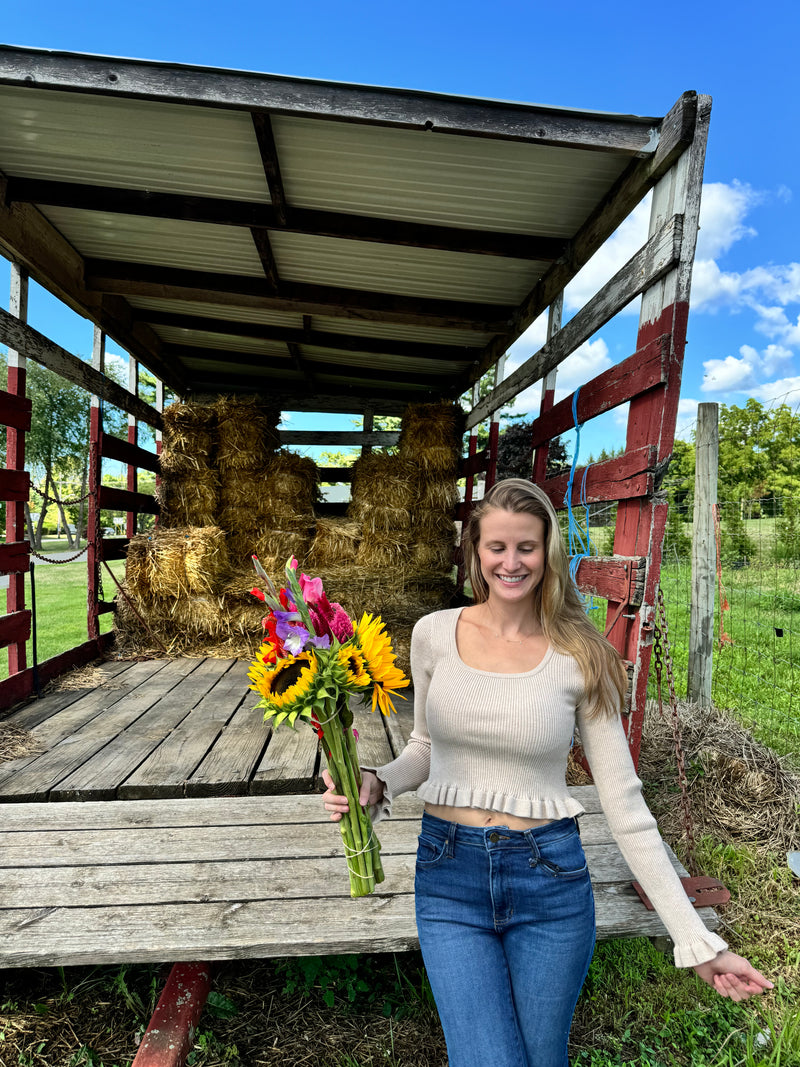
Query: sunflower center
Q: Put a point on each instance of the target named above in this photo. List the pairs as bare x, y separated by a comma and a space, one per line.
286, 677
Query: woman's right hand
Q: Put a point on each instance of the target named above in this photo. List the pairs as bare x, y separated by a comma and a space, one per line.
371, 792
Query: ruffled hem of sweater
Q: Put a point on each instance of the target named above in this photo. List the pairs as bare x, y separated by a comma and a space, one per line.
700, 950
524, 807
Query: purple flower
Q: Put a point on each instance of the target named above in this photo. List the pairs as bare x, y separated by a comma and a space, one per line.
289, 628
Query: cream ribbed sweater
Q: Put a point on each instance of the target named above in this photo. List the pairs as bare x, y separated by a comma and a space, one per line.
500, 742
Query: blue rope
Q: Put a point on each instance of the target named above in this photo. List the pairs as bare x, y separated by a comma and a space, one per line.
580, 546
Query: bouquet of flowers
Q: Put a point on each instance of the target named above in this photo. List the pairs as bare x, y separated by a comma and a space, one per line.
312, 660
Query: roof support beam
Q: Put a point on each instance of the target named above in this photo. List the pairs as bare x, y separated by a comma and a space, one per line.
343, 397
318, 338
373, 105
264, 249
677, 133
168, 283
272, 169
278, 216
301, 366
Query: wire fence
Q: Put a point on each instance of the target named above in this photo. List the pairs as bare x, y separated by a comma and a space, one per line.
756, 647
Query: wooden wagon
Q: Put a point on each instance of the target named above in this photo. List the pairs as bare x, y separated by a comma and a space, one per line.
342, 249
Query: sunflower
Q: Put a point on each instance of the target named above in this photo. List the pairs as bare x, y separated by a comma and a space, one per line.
287, 688
351, 663
376, 648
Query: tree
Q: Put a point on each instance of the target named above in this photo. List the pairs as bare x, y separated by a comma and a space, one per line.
515, 452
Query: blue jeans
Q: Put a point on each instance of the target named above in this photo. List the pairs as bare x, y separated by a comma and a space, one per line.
506, 927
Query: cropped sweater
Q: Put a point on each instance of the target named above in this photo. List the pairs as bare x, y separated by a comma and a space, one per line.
500, 742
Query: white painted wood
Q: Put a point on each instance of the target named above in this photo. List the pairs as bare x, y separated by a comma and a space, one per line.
18, 306
701, 624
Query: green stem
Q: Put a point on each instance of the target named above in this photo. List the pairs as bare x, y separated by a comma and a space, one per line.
368, 832
351, 826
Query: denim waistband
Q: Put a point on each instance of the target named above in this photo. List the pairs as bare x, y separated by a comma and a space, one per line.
497, 836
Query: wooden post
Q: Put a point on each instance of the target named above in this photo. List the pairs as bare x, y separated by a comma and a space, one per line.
95, 477
494, 428
15, 460
548, 390
701, 627
366, 427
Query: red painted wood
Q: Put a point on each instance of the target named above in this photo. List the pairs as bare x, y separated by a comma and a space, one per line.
542, 449
15, 627
114, 448
15, 557
170, 1035
133, 480
93, 535
628, 475
15, 510
15, 411
474, 464
606, 577
644, 370
114, 548
14, 484
491, 454
19, 686
121, 500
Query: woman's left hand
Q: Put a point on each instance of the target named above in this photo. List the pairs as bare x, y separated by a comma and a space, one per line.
732, 976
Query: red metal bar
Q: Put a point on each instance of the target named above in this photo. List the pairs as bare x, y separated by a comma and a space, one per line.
170, 1035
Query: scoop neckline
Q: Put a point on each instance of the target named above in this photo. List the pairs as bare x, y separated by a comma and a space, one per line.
495, 674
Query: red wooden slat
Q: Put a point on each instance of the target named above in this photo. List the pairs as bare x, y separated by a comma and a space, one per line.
491, 451
609, 577
14, 485
625, 476
15, 627
475, 463
643, 370
15, 508
19, 686
121, 500
15, 410
114, 548
113, 448
14, 557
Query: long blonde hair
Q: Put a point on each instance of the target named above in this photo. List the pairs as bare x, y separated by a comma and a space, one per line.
556, 602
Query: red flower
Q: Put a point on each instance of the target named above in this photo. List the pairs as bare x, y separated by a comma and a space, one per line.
257, 593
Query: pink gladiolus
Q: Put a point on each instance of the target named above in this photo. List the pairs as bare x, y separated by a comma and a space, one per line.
312, 588
355, 733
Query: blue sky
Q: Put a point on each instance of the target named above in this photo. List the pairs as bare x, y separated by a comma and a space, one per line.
744, 330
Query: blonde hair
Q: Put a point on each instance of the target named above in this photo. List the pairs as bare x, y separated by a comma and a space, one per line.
556, 601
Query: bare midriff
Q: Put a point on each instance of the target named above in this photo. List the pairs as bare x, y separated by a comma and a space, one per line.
482, 817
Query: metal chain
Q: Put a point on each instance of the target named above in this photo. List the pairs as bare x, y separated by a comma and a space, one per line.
64, 503
661, 637
69, 559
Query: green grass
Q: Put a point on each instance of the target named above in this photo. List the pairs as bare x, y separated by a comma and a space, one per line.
61, 608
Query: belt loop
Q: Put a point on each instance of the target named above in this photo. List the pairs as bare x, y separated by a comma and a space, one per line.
451, 840
534, 847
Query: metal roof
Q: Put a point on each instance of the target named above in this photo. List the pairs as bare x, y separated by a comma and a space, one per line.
329, 245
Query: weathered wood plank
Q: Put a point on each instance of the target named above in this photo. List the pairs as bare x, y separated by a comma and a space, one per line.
613, 577
35, 345
124, 500
399, 726
376, 439
642, 270
15, 626
164, 718
129, 738
15, 411
228, 767
14, 485
629, 475
14, 557
31, 715
113, 448
171, 763
289, 764
373, 744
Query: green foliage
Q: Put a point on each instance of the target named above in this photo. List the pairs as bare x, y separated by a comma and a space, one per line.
677, 543
788, 529
515, 452
737, 544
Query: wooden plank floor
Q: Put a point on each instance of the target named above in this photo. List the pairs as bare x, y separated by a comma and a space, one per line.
229, 878
103, 859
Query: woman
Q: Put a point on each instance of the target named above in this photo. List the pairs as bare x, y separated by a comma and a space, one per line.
504, 902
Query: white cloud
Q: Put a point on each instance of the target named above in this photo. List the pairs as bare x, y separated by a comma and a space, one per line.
687, 418
722, 212
615, 253
726, 375
782, 391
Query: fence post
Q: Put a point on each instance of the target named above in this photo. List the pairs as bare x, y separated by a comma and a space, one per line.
701, 632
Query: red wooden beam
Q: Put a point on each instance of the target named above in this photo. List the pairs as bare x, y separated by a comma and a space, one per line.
643, 370
15, 410
628, 475
114, 548
15, 628
14, 484
613, 578
170, 1035
122, 500
19, 686
15, 557
475, 462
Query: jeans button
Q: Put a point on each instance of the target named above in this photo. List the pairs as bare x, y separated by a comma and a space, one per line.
494, 838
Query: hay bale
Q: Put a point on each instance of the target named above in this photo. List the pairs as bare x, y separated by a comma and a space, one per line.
335, 542
380, 518
430, 435
136, 568
189, 428
276, 546
379, 477
189, 500
383, 550
242, 487
175, 462
437, 493
433, 556
206, 558
246, 436
291, 477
